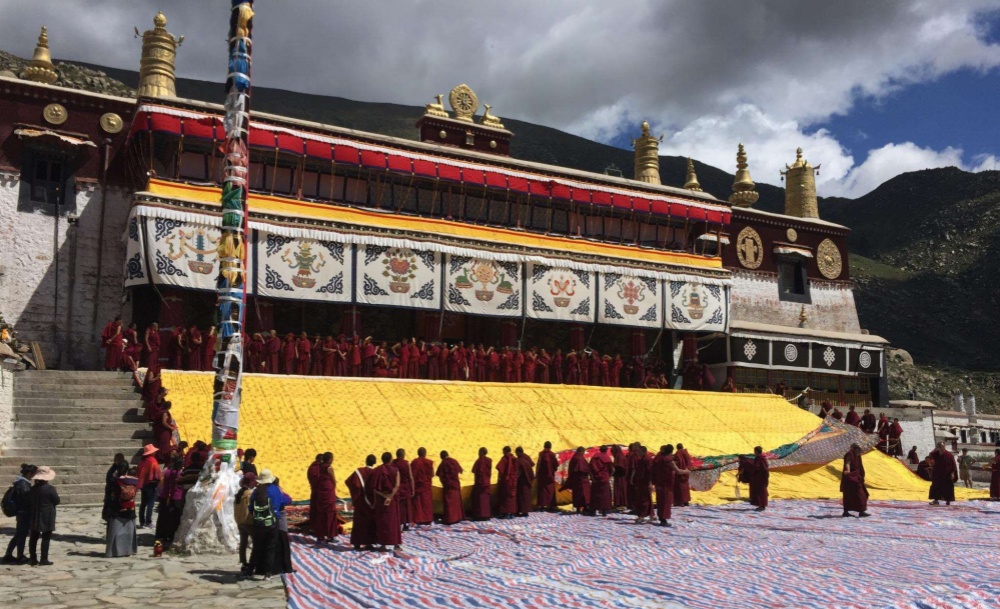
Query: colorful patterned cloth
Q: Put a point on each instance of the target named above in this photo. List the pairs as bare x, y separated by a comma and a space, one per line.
797, 554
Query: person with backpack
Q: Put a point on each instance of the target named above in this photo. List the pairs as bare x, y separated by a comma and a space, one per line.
266, 504
15, 504
149, 479
42, 502
244, 517
171, 496
121, 540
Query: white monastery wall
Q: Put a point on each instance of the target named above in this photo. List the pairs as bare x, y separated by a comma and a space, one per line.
6, 403
34, 300
754, 298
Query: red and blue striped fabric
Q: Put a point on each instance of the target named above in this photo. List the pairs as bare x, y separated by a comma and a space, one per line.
797, 554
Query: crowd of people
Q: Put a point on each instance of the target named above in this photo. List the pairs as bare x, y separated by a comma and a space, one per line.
890, 433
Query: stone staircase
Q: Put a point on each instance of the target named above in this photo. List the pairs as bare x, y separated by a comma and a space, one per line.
74, 422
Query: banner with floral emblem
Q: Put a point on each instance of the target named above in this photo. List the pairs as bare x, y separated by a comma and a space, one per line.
627, 300
302, 268
696, 307
398, 277
182, 253
483, 287
135, 271
560, 293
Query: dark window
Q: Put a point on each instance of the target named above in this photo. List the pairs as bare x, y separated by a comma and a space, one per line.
793, 283
194, 166
47, 182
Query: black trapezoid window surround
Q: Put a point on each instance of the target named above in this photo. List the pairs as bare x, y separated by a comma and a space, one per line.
47, 181
793, 279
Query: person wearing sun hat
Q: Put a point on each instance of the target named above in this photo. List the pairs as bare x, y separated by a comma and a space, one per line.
42, 502
149, 477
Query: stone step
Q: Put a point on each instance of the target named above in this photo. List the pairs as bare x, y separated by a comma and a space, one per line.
105, 403
97, 411
84, 499
119, 417
82, 456
67, 474
130, 432
81, 426
71, 374
60, 442
75, 393
102, 381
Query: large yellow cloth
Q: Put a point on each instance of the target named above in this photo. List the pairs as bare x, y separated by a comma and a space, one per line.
290, 419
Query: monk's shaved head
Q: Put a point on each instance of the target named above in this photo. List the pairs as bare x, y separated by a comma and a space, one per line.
421, 452
370, 460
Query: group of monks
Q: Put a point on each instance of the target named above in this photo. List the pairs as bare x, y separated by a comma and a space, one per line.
890, 433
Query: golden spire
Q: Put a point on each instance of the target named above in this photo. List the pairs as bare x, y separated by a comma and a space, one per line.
156, 68
800, 188
744, 194
647, 156
40, 68
692, 178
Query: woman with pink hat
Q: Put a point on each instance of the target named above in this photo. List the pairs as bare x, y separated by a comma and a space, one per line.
149, 478
42, 502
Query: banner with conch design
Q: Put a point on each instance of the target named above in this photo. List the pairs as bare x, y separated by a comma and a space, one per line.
480, 286
182, 253
398, 277
627, 300
696, 307
301, 268
561, 294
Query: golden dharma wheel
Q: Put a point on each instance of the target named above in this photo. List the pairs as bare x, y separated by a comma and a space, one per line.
829, 260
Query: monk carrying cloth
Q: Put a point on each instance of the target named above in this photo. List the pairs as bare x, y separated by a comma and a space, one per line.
852, 484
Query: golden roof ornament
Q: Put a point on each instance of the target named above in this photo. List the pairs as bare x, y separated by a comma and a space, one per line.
489, 120
436, 109
744, 194
647, 156
40, 68
692, 178
800, 188
464, 102
159, 53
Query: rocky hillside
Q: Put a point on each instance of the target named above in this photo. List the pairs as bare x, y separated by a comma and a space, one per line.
925, 245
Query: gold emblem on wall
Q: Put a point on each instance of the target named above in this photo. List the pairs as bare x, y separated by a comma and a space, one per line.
111, 123
464, 102
792, 235
749, 248
829, 260
55, 114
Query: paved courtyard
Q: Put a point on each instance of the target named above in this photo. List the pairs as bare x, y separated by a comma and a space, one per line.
82, 577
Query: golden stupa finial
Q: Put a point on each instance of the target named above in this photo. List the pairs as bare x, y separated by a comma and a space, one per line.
744, 194
800, 188
489, 120
692, 178
647, 156
156, 67
40, 68
803, 317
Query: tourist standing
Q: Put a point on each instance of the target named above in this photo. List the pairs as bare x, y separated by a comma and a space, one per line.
247, 465
852, 484
266, 504
944, 475
42, 501
118, 468
22, 515
121, 540
171, 496
244, 517
149, 479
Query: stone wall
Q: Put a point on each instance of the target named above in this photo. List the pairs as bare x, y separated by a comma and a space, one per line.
754, 298
36, 300
6, 403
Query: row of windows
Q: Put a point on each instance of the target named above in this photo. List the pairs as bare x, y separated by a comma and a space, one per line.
450, 202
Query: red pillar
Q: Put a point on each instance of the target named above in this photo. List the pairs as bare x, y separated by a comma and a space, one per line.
431, 326
508, 333
350, 322
172, 310
637, 343
689, 352
577, 340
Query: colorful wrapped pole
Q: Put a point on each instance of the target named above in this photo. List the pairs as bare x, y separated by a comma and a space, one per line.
211, 499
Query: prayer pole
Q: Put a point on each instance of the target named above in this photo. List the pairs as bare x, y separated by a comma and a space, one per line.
208, 524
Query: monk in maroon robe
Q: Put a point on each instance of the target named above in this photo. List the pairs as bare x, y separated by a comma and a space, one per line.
255, 353
556, 369
544, 362
619, 490
530, 366
507, 484
852, 417
760, 477
323, 513
481, 499
545, 474
303, 352
273, 350
995, 476
290, 353
494, 364
363, 530
354, 358
641, 479
381, 493
944, 475
600, 482
368, 353
525, 478
340, 360
178, 344
630, 461
578, 480
852, 483
404, 497
316, 356
111, 340
572, 369
448, 473
423, 475
662, 474
151, 342
682, 482
402, 351
433, 367
312, 475
912, 457
868, 422
895, 444
328, 349
194, 348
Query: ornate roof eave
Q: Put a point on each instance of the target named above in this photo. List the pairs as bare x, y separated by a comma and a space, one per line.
146, 198
775, 219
